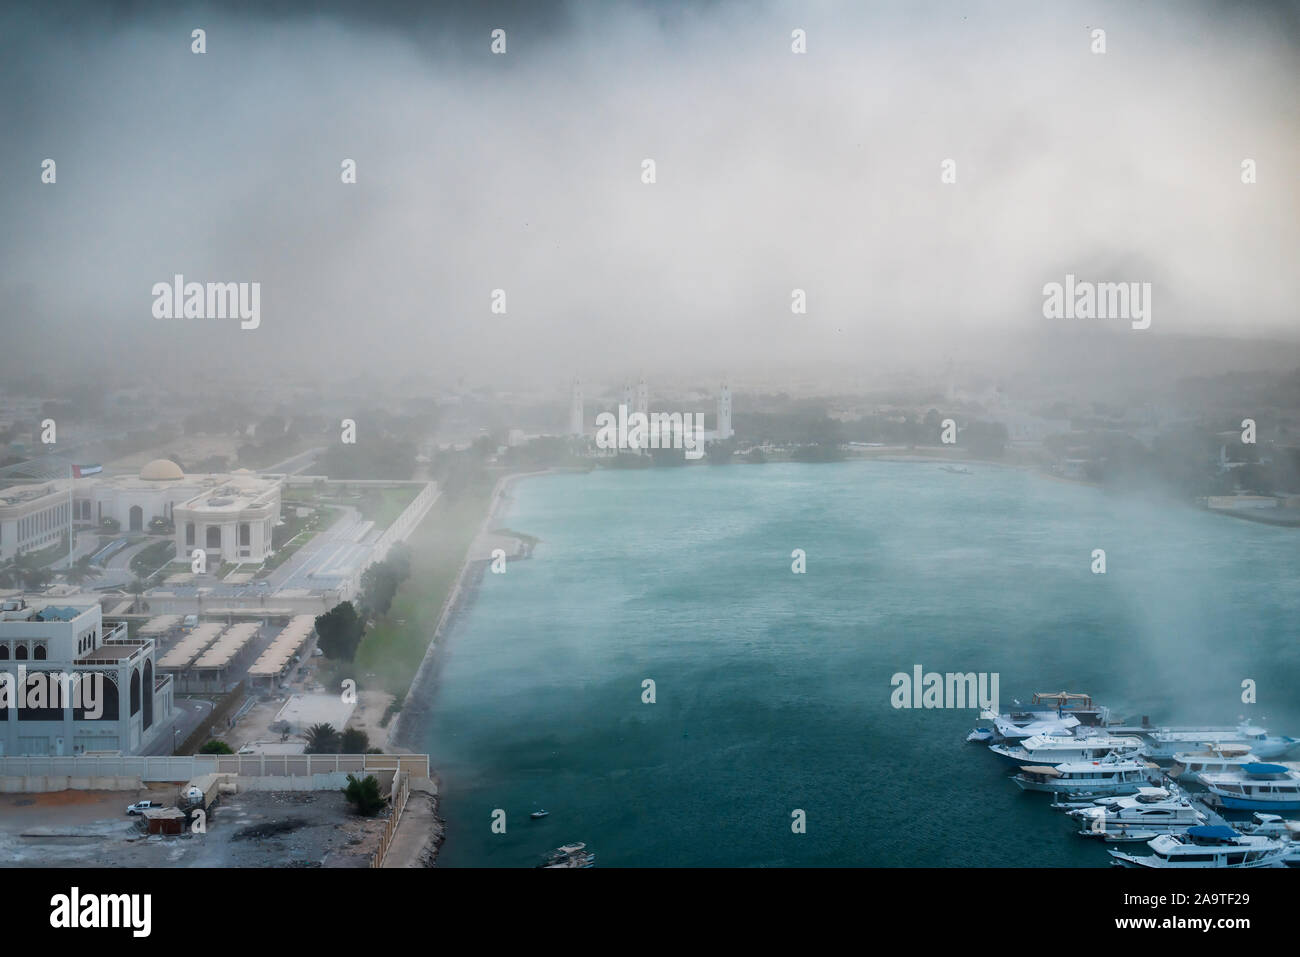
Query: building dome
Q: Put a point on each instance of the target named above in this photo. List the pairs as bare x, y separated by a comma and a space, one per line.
161, 470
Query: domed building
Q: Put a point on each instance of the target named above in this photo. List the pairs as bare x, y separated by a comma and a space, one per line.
229, 516
161, 470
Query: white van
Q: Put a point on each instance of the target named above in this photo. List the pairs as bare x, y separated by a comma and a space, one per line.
190, 621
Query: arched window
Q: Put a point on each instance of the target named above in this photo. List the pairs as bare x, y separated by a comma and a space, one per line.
148, 694
214, 536
20, 653
101, 695
4, 652
135, 691
39, 654
189, 533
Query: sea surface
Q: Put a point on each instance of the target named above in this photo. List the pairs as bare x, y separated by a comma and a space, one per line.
772, 689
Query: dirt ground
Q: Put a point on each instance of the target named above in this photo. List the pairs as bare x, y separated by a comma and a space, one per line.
252, 829
371, 706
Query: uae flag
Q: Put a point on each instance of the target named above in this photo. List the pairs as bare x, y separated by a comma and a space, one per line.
79, 471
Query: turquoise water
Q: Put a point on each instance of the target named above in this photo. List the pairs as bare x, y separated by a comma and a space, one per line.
773, 689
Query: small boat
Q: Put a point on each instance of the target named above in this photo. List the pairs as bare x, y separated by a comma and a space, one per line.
1211, 845
980, 735
569, 855
955, 469
1255, 787
539, 814
1080, 800
1149, 812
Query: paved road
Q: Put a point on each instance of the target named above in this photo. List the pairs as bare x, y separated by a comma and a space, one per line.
335, 552
190, 714
296, 463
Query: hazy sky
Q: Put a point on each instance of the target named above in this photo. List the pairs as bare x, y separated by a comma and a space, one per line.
522, 171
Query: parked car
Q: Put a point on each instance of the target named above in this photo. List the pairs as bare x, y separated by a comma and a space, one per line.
139, 807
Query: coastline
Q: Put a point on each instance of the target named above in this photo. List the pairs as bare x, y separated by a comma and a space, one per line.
404, 732
477, 558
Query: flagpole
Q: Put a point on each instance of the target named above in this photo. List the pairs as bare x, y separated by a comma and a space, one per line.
72, 474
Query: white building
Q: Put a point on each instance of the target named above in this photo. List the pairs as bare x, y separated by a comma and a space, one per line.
577, 421
724, 431
32, 517
642, 397
122, 704
230, 516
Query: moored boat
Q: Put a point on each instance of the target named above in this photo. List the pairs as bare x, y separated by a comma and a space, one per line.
1139, 817
1207, 846
1110, 776
1255, 787
1213, 759
1163, 744
1055, 749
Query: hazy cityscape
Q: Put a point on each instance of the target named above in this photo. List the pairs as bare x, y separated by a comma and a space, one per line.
662, 434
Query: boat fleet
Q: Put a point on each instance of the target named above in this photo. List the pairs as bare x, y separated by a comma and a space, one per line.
1111, 782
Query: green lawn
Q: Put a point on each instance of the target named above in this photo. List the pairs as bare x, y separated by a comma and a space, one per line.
394, 646
379, 505
152, 557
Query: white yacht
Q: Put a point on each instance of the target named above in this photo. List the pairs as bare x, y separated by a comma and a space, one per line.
1144, 815
1213, 759
1009, 729
1164, 743
1057, 712
1207, 846
1110, 775
1255, 787
1272, 825
1057, 749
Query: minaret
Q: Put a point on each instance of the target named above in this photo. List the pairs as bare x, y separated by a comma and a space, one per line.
576, 423
642, 397
724, 413
628, 395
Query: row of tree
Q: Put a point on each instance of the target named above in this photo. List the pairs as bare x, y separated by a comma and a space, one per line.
325, 739
341, 629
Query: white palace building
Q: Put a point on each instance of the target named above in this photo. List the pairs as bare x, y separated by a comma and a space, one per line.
122, 703
230, 516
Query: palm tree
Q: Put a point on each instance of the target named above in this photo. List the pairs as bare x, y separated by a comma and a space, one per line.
136, 588
82, 570
322, 739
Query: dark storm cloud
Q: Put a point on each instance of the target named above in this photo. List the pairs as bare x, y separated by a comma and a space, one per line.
521, 172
